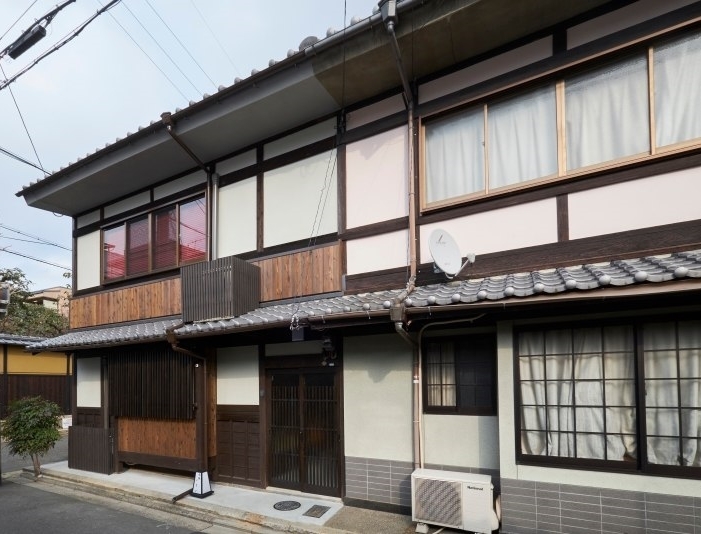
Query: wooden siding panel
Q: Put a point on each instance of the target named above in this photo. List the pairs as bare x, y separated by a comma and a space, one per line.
91, 417
55, 388
308, 272
166, 438
89, 449
238, 444
146, 301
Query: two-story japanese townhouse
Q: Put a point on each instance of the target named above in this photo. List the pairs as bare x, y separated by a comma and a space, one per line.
255, 298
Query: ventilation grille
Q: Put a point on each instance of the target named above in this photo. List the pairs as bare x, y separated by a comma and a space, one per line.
438, 502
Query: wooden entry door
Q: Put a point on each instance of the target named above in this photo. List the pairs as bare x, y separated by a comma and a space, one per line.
304, 433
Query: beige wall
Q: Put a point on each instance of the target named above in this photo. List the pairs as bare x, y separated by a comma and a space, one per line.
377, 252
89, 257
237, 376
377, 397
45, 363
237, 215
461, 441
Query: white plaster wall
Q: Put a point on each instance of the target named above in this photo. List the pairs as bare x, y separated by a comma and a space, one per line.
182, 183
88, 383
376, 178
88, 256
461, 440
377, 399
378, 110
310, 135
486, 70
505, 386
295, 195
377, 252
237, 376
620, 19
664, 199
237, 214
524, 225
127, 204
237, 162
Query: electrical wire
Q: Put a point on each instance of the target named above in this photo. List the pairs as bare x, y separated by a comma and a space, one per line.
31, 141
18, 19
149, 57
181, 44
221, 47
21, 159
60, 44
163, 50
40, 239
35, 259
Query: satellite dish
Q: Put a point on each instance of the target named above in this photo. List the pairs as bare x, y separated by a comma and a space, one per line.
446, 254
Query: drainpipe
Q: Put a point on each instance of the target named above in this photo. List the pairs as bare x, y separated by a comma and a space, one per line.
201, 487
388, 9
214, 196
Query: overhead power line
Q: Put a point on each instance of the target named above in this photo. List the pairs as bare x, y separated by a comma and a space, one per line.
35, 259
21, 159
40, 239
60, 44
18, 19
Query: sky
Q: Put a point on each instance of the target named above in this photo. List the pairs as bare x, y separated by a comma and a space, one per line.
129, 65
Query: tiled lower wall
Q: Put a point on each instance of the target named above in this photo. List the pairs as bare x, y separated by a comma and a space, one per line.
536, 507
389, 482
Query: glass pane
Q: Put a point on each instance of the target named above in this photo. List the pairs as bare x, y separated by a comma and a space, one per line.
690, 335
589, 393
661, 393
531, 343
559, 393
114, 264
165, 239
618, 339
532, 418
137, 254
532, 393
591, 446
662, 422
455, 156
620, 392
691, 452
522, 138
607, 113
659, 336
558, 367
663, 451
619, 365
690, 393
558, 342
691, 423
620, 420
193, 231
677, 90
533, 443
560, 418
561, 444
590, 420
532, 368
589, 366
622, 447
690, 363
587, 340
661, 364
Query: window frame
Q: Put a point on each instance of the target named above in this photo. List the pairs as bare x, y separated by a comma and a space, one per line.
149, 217
461, 408
641, 465
557, 77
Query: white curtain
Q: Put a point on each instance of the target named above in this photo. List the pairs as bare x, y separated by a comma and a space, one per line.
455, 156
607, 114
522, 138
440, 374
577, 393
673, 393
677, 90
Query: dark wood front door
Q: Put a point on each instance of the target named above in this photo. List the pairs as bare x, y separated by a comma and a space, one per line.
304, 433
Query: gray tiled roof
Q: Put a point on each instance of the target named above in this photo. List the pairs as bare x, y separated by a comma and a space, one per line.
616, 273
22, 341
104, 337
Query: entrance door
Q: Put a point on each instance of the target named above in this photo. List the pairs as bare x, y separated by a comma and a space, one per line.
304, 436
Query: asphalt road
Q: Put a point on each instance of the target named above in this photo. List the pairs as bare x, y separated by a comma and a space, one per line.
15, 463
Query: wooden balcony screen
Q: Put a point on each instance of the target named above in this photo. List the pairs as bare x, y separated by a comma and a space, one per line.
226, 287
144, 301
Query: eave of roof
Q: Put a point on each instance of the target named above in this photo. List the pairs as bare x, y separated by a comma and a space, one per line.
612, 279
21, 341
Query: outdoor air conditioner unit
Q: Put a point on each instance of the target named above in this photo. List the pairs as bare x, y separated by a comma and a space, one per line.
457, 500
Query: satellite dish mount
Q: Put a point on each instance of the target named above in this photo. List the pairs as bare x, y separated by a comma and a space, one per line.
446, 254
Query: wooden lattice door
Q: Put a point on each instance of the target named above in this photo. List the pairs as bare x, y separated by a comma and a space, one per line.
304, 433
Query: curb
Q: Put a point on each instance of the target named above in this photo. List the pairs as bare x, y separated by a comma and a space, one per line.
202, 511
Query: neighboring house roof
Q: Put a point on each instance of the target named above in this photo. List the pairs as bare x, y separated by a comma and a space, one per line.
22, 341
584, 278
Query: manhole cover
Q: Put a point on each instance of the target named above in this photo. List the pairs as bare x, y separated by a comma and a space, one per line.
316, 511
286, 506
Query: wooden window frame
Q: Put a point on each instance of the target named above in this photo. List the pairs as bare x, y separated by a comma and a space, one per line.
557, 78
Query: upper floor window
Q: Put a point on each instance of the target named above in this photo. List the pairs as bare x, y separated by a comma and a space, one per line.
460, 375
164, 239
625, 396
629, 109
